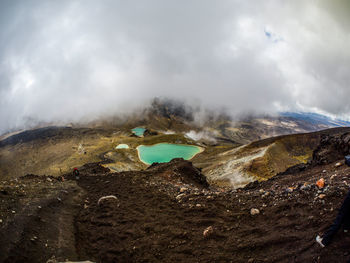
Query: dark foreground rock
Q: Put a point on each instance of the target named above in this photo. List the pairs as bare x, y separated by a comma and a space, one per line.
180, 171
37, 219
164, 214
332, 148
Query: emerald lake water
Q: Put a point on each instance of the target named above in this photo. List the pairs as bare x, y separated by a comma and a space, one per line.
138, 131
165, 152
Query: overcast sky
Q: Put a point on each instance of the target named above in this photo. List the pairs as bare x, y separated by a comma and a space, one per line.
72, 60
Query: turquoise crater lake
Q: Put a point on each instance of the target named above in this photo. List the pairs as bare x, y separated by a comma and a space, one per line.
138, 131
165, 152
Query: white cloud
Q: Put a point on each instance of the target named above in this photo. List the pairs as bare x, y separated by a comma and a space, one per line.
68, 60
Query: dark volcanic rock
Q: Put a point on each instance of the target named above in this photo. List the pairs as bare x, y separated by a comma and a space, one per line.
331, 148
93, 168
149, 133
169, 108
36, 134
52, 132
295, 169
154, 218
180, 170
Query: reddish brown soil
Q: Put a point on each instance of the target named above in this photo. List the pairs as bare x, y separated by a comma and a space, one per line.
150, 222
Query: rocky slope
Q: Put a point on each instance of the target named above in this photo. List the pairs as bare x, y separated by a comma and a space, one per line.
263, 159
168, 213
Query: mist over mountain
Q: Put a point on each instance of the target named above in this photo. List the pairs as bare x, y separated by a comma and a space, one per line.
74, 61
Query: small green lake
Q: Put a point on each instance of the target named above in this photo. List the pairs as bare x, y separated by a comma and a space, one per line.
165, 152
122, 146
138, 131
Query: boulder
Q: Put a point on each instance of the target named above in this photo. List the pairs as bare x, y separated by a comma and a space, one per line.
321, 196
338, 164
320, 183
254, 211
208, 231
305, 187
178, 197
183, 189
110, 197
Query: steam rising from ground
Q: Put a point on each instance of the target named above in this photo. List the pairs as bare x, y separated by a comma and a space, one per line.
202, 135
64, 61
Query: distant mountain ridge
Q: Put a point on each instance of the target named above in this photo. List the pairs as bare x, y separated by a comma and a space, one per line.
316, 118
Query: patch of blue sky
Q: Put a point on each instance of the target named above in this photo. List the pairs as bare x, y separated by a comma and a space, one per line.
267, 34
272, 36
